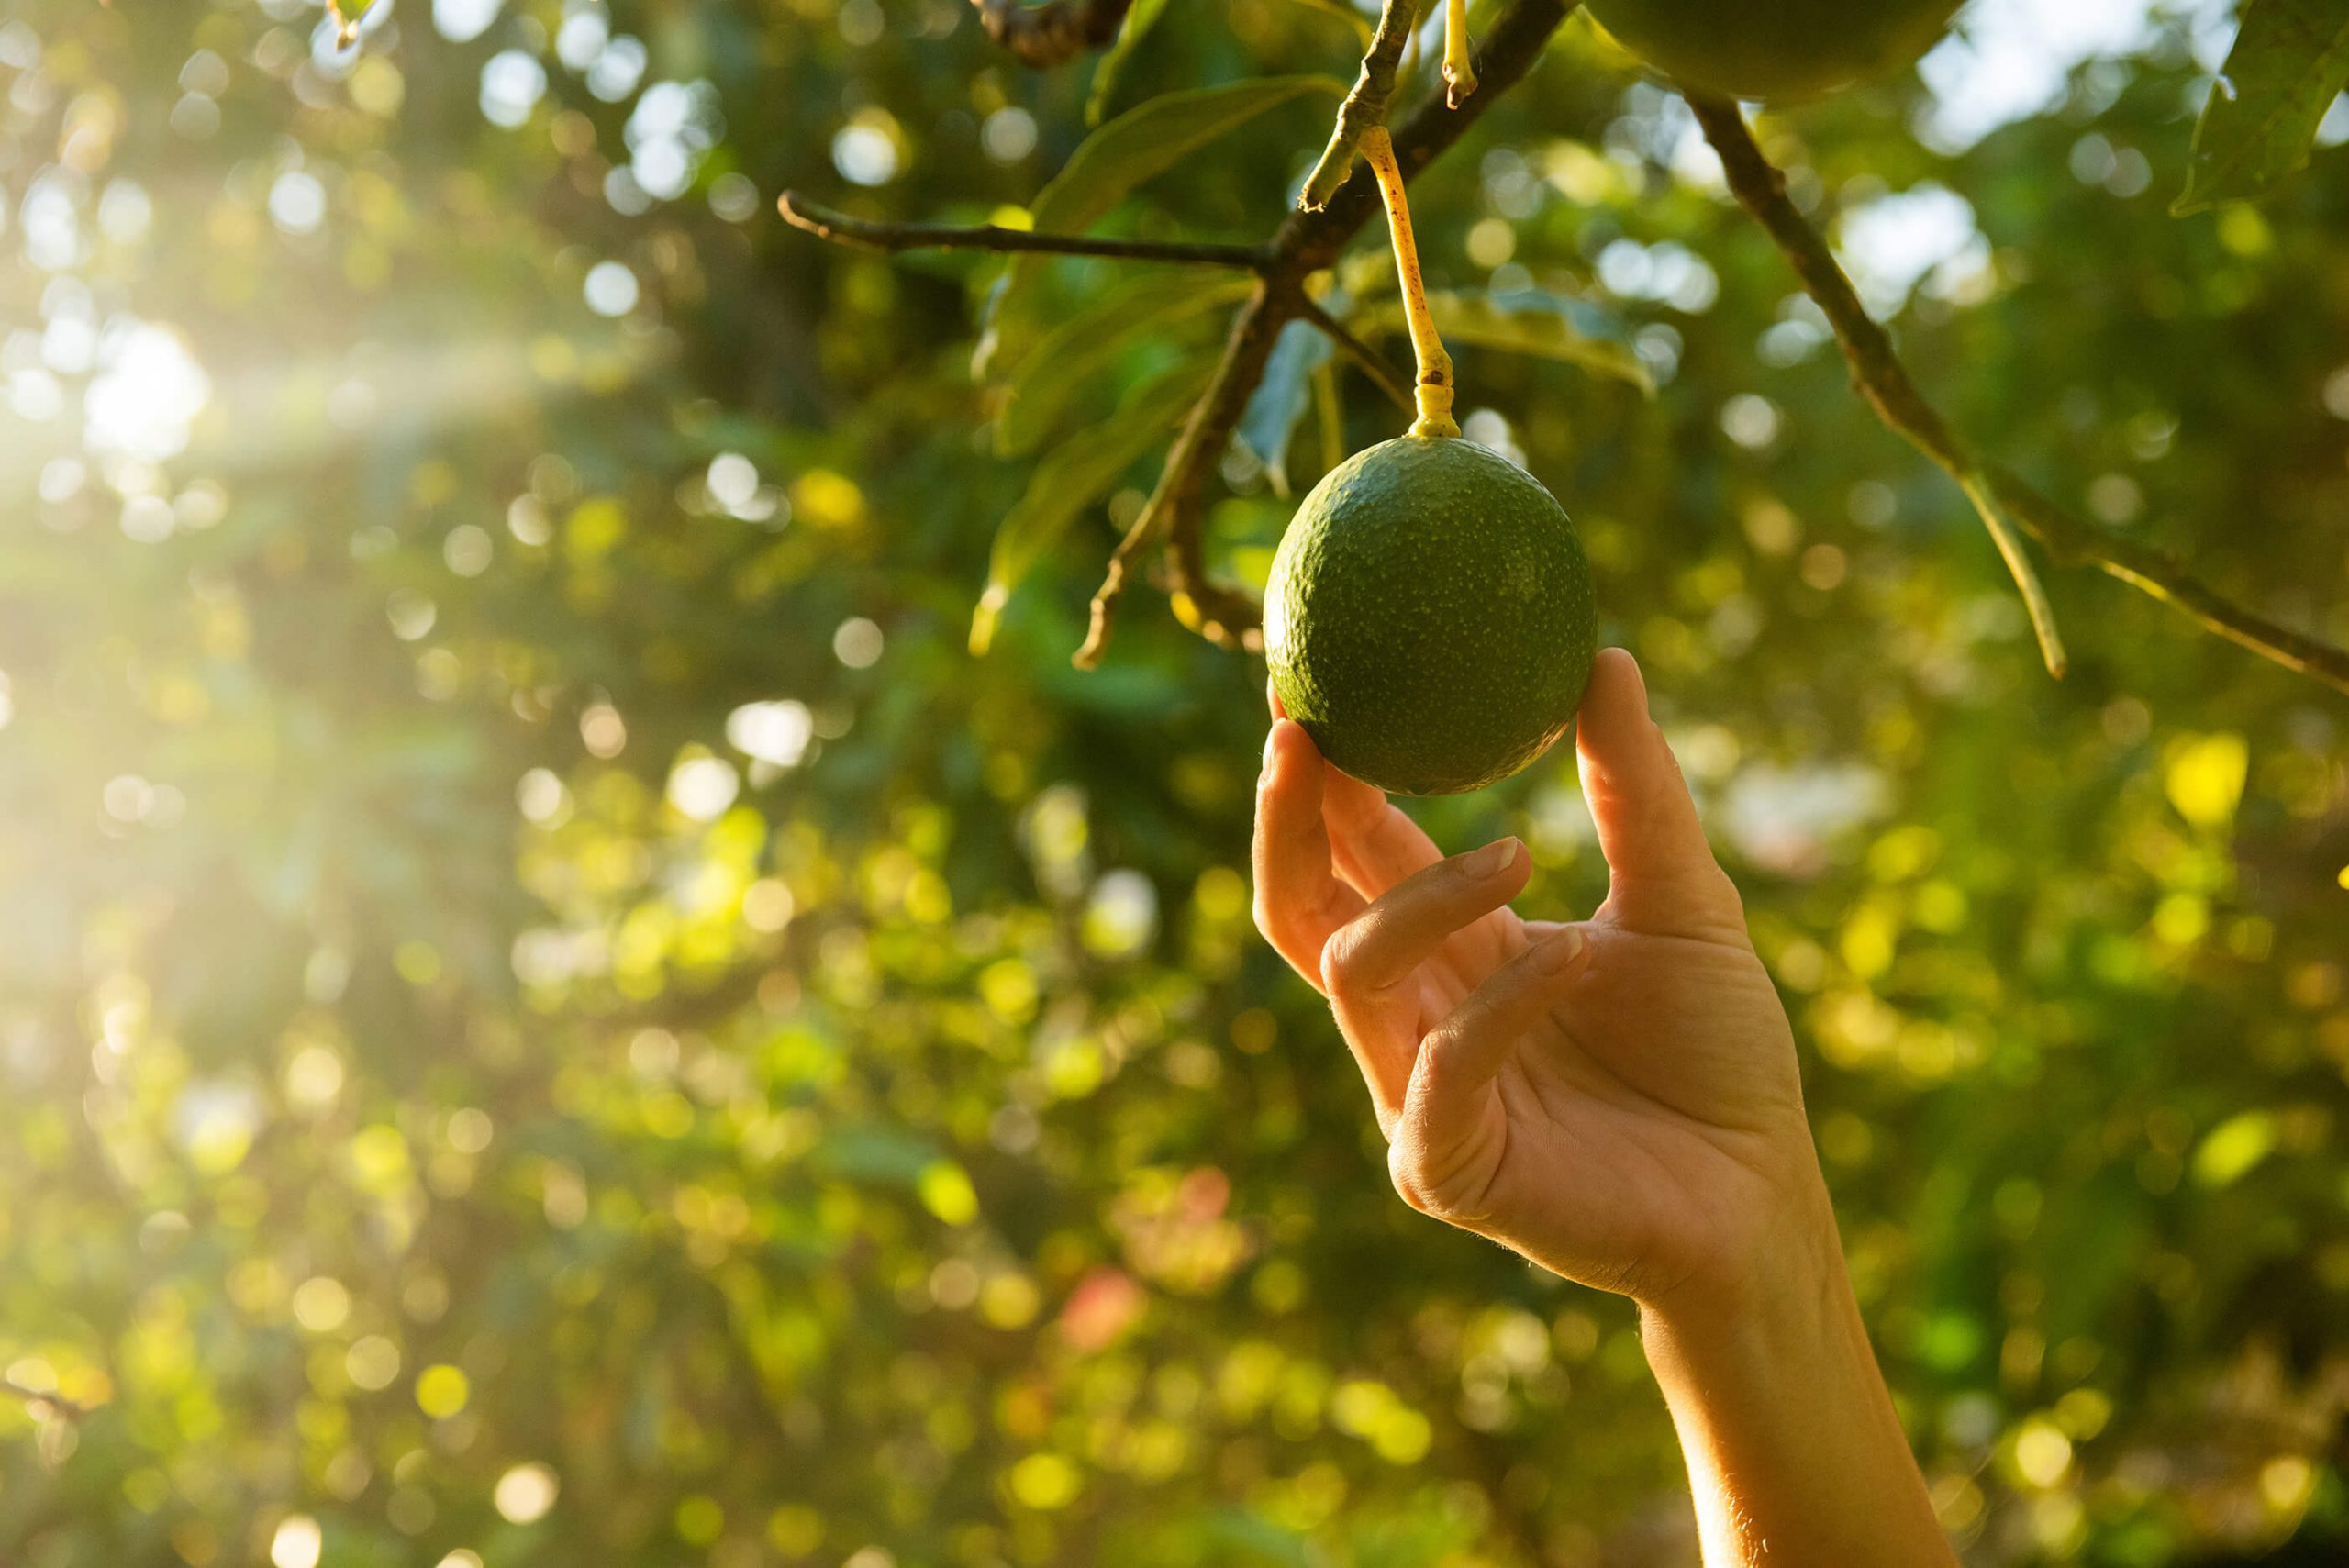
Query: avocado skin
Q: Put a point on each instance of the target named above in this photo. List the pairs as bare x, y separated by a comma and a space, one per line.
1779, 50
1429, 619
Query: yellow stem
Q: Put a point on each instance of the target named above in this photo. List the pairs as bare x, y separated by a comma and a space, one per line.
1434, 389
1459, 72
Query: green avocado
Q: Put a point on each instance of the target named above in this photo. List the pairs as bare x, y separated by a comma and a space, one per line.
1773, 50
1429, 621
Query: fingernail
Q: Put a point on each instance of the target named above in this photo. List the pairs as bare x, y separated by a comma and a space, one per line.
1272, 738
1490, 861
1561, 949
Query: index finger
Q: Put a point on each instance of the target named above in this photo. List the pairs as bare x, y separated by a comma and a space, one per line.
1374, 845
1300, 903
1377, 844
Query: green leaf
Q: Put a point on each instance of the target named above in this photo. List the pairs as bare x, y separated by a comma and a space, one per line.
2233, 1147
2290, 59
1282, 397
1363, 30
876, 1153
1138, 21
1076, 473
1155, 302
1139, 145
945, 1190
1531, 321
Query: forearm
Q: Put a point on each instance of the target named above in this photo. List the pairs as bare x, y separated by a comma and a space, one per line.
1795, 1455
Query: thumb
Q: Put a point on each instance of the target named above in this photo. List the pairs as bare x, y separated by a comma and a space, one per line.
1662, 875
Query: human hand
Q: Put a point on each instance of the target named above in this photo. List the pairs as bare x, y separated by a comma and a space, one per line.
1616, 1098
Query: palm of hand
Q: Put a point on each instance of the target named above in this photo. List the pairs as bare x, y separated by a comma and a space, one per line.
1632, 1127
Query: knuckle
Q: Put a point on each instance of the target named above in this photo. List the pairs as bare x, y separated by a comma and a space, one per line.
1403, 1168
1342, 958
1265, 912
1417, 1180
1732, 902
1437, 1047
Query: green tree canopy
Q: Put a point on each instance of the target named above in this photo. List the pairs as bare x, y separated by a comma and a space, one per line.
552, 1007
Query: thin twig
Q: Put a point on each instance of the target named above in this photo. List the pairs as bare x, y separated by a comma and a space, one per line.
2163, 577
1459, 66
1365, 105
1510, 49
1054, 32
844, 229
1373, 364
1878, 375
38, 1399
1211, 421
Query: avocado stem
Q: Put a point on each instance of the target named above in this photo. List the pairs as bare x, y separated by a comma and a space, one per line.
1433, 392
1459, 70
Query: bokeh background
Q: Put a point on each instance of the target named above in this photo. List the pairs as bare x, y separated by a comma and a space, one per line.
552, 1011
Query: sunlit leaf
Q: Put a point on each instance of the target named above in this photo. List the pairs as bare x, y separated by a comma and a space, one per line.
1355, 21
946, 1191
1046, 1481
1153, 304
1139, 145
1075, 474
1138, 20
1531, 321
2204, 775
2289, 60
2233, 1147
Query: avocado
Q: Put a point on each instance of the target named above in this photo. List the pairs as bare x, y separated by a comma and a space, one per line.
1773, 50
1429, 619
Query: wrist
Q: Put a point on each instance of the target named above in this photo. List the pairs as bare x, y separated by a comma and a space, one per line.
1795, 1452
1784, 1259
1785, 1314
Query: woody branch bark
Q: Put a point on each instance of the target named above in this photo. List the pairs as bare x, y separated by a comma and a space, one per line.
1880, 377
1365, 105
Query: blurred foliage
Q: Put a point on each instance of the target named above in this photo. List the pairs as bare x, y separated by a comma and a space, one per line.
550, 1011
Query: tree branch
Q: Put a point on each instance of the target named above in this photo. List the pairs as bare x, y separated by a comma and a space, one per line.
36, 1399
1054, 32
1306, 242
1878, 375
890, 237
2165, 577
1173, 503
1510, 47
1373, 364
1365, 105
